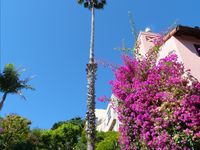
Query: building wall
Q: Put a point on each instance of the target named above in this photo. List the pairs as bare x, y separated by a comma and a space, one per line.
112, 122
169, 47
186, 52
145, 41
100, 119
189, 54
107, 120
183, 46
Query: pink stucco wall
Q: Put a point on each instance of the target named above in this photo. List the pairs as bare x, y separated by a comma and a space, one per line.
169, 47
183, 46
189, 54
145, 41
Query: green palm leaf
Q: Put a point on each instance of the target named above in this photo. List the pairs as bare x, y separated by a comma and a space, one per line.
10, 82
98, 4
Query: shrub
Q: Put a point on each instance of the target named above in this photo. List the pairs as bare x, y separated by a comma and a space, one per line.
15, 130
159, 104
109, 141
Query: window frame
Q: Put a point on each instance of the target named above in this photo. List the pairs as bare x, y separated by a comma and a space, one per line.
197, 48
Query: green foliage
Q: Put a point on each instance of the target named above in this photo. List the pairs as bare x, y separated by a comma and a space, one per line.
10, 83
32, 142
107, 141
63, 137
15, 134
98, 4
15, 130
10, 80
81, 145
76, 121
66, 135
104, 141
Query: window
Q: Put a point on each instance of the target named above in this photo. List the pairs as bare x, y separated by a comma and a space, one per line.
197, 47
171, 52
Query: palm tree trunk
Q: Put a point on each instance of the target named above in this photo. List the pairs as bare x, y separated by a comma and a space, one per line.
92, 36
2, 101
91, 76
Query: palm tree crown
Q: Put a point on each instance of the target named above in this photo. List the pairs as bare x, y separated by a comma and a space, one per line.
98, 4
10, 81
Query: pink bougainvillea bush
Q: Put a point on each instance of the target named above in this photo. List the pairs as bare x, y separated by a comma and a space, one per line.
159, 105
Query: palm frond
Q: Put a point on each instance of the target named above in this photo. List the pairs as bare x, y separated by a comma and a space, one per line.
10, 81
86, 4
98, 4
21, 95
103, 1
80, 1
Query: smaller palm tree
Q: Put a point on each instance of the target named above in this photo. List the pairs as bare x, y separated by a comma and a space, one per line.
10, 83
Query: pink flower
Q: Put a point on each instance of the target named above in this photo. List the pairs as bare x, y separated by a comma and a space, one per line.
155, 103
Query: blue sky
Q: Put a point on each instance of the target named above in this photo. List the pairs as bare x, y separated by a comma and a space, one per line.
50, 38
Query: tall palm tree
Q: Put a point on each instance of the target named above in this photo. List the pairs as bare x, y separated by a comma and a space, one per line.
10, 83
91, 69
